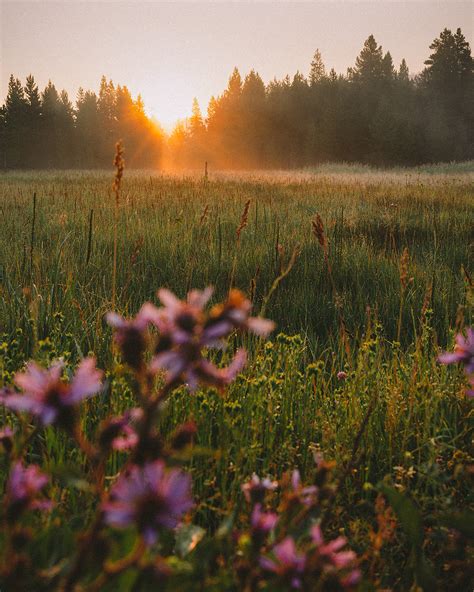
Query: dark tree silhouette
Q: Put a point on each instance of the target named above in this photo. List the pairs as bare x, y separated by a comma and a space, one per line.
374, 114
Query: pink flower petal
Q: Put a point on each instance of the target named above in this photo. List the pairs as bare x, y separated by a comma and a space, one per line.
259, 326
86, 381
169, 299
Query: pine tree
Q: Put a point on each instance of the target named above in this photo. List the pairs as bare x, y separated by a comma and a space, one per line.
33, 122
196, 123
369, 65
234, 87
50, 148
450, 67
107, 116
447, 84
317, 72
403, 74
253, 120
65, 131
387, 67
15, 125
87, 129
3, 139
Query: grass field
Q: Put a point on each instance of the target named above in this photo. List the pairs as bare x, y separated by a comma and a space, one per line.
181, 232
390, 290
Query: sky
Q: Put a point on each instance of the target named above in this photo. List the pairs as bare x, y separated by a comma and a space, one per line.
171, 52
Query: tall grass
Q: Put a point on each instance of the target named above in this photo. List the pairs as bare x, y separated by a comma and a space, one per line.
166, 240
371, 289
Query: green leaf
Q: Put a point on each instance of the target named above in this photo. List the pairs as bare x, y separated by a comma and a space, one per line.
424, 574
187, 537
407, 513
226, 526
410, 520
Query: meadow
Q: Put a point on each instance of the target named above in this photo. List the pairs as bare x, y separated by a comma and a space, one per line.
367, 275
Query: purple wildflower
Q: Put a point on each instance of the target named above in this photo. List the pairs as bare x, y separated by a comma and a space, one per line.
127, 440
189, 365
262, 522
286, 563
118, 433
130, 334
254, 490
48, 397
305, 495
185, 330
23, 487
342, 375
335, 558
463, 352
234, 314
150, 496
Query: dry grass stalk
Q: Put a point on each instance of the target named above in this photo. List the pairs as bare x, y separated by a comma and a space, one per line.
405, 281
204, 215
318, 231
320, 234
119, 165
404, 263
243, 220
280, 277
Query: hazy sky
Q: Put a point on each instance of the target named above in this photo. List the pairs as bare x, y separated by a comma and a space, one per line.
173, 51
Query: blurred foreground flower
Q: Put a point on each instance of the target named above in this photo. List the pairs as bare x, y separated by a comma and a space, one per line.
463, 352
188, 330
151, 497
185, 332
130, 334
262, 522
119, 433
254, 490
286, 563
48, 397
305, 495
23, 487
334, 558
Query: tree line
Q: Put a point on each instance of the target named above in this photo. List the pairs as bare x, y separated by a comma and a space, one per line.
375, 113
45, 130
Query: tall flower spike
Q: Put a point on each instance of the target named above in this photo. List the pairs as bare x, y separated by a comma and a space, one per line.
49, 398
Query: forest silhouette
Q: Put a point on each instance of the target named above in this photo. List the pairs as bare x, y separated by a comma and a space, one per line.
376, 114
